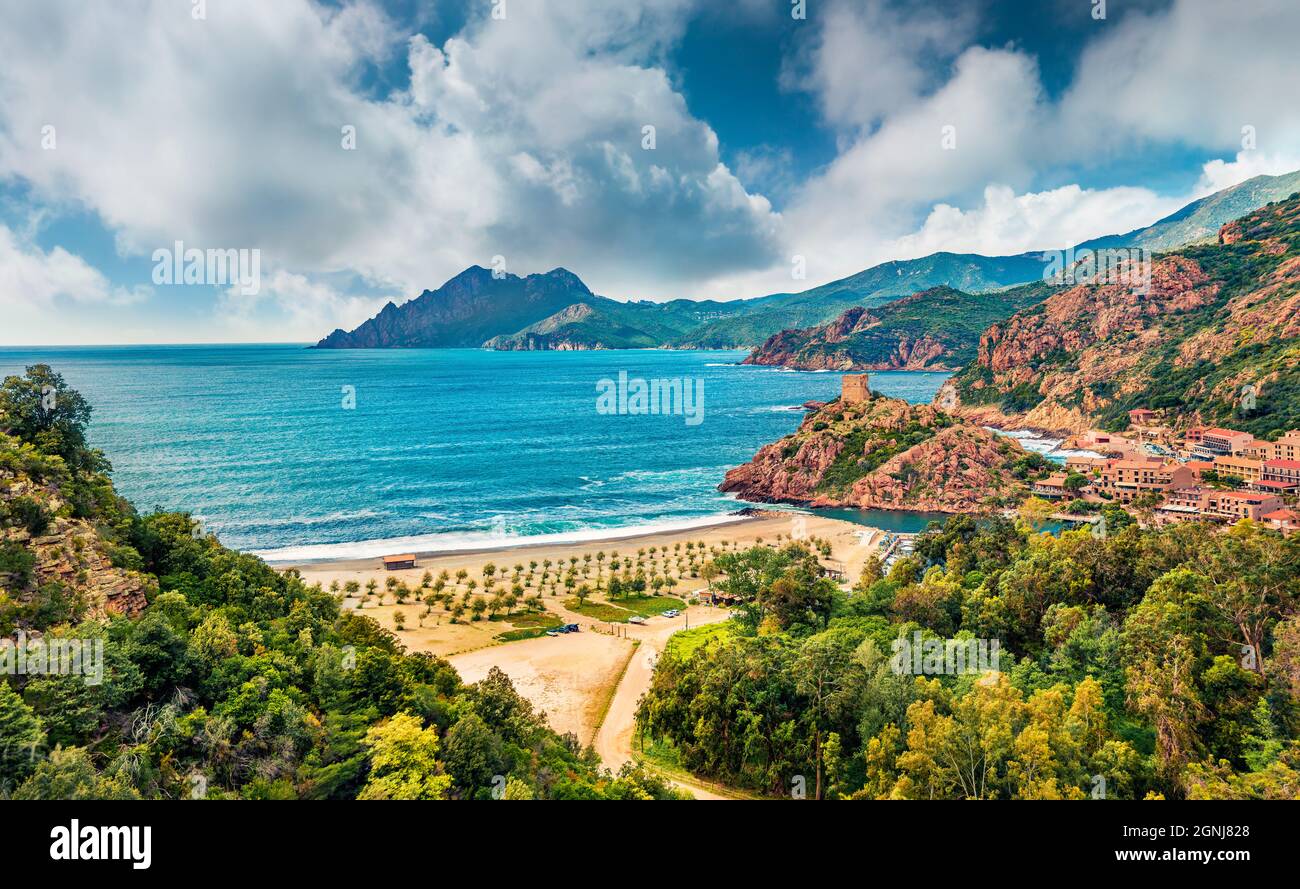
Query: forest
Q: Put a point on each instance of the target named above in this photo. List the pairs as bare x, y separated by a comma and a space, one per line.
1139, 664
234, 680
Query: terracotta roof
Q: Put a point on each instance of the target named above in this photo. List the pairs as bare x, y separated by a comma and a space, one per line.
405, 557
1282, 464
1282, 515
1215, 430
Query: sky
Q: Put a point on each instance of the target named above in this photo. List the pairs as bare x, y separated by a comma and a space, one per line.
365, 151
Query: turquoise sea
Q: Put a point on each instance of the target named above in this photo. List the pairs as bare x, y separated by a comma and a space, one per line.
443, 449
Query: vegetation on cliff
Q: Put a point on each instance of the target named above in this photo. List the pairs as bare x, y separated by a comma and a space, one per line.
885, 453
1217, 336
224, 678
936, 329
1141, 664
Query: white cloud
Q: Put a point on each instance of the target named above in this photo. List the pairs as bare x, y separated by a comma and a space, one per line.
523, 138
519, 137
1195, 74
1007, 223
299, 307
40, 279
871, 59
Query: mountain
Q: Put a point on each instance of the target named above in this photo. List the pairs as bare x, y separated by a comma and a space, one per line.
883, 453
541, 311
940, 329
579, 326
468, 309
764, 316
1214, 320
1199, 222
936, 329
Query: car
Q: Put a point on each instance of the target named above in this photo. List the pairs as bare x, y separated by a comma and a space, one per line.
570, 628
671, 612
636, 619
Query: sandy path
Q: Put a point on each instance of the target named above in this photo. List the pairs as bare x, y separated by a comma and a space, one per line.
568, 676
613, 742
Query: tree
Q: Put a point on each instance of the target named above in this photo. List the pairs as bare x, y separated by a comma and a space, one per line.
69, 774
22, 738
40, 409
404, 761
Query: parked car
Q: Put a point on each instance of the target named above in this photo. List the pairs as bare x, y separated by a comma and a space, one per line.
570, 628
636, 619
671, 612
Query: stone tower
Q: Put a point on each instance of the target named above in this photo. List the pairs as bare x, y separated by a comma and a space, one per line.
853, 388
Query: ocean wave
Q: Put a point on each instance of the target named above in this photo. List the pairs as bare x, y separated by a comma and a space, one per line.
498, 538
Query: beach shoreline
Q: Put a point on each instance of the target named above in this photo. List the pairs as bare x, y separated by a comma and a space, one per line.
560, 540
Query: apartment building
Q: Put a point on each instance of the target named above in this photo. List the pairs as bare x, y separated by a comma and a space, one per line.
1127, 479
1244, 468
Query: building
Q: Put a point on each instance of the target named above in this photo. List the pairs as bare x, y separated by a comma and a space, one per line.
1257, 450
1196, 503
1285, 520
1244, 468
1127, 479
1105, 443
1287, 447
1215, 441
1200, 467
854, 388
1141, 417
1053, 487
397, 563
1239, 504
1283, 473
1084, 465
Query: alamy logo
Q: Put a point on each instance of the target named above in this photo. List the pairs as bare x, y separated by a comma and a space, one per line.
90, 843
680, 396
1130, 267
944, 657
53, 657
233, 267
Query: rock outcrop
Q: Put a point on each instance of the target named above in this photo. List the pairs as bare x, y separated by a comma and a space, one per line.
1212, 320
936, 329
886, 454
69, 552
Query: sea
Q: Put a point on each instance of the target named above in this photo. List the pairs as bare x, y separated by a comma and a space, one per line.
301, 454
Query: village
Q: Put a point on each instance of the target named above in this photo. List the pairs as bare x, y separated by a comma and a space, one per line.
1204, 473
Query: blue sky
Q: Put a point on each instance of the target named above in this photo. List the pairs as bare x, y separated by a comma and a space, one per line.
517, 130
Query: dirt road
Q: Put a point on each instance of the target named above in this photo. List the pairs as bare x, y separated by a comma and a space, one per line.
613, 741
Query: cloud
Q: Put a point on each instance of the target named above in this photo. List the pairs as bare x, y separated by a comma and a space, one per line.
297, 305
39, 279
871, 59
524, 138
1188, 77
1195, 73
1007, 223
520, 137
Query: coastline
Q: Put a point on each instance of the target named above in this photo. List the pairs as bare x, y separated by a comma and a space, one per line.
366, 552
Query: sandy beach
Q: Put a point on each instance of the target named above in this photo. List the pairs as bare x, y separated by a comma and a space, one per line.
850, 545
587, 682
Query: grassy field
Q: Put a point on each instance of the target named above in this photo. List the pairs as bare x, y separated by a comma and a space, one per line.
529, 626
622, 609
686, 642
